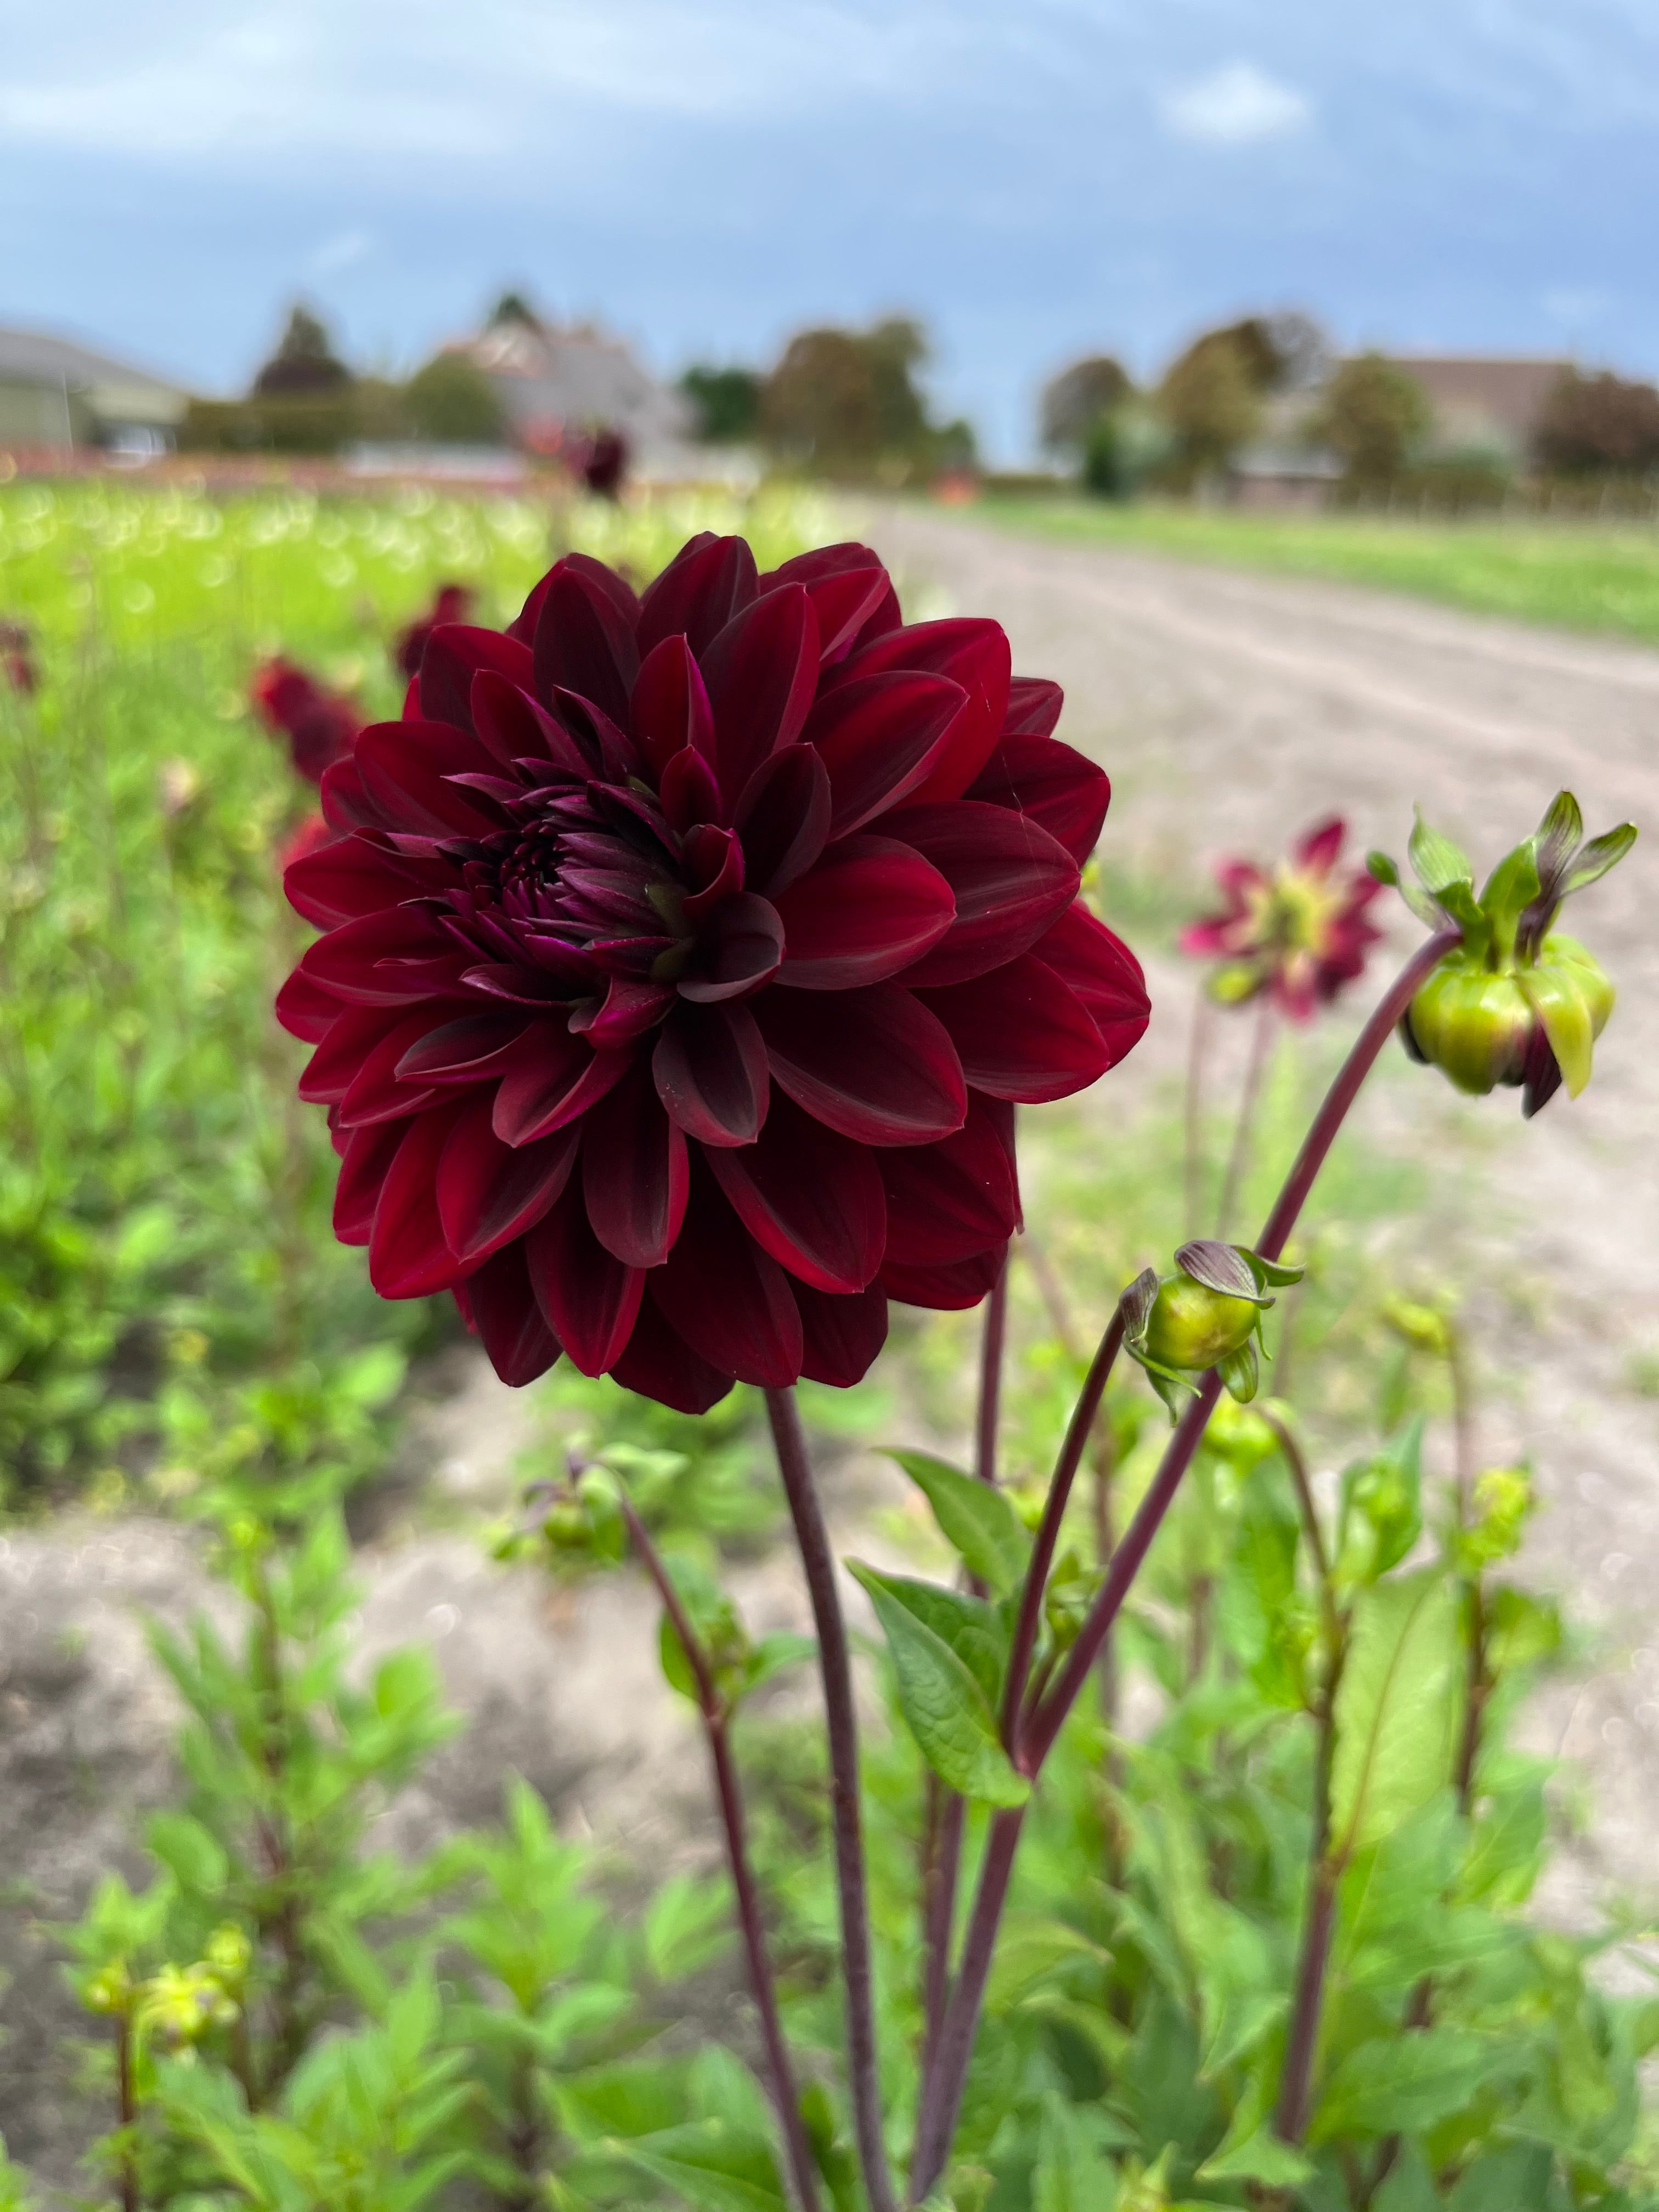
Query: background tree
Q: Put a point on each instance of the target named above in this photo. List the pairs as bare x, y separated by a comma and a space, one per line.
1076, 399
304, 362
452, 402
1594, 424
1210, 401
1374, 415
513, 307
727, 402
845, 404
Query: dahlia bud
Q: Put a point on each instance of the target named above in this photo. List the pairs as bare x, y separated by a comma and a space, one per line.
179, 2004
1503, 1497
108, 1990
1207, 1314
1514, 1004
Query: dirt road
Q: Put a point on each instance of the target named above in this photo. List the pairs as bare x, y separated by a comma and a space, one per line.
1231, 709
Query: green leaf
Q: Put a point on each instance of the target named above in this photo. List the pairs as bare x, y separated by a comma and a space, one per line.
975, 1518
947, 1704
194, 1858
1558, 837
1073, 2172
687, 1925
1401, 2084
1396, 1707
1510, 890
1435, 861
713, 2168
1601, 853
1258, 2156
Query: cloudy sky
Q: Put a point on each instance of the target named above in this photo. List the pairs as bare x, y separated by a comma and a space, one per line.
1035, 178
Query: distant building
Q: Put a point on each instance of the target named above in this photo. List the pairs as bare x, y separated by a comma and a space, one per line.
1491, 403
54, 393
560, 383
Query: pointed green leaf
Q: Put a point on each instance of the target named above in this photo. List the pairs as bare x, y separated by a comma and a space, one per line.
1558, 837
713, 2168
1404, 2083
975, 1518
1241, 1371
1221, 1267
1386, 871
1601, 853
1555, 997
1510, 889
947, 1704
1437, 862
1396, 1708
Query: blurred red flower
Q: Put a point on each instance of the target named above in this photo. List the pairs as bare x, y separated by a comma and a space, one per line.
18, 659
1300, 932
320, 726
684, 960
452, 603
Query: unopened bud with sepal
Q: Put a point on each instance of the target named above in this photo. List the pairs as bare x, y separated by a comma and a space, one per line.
1514, 1003
1206, 1314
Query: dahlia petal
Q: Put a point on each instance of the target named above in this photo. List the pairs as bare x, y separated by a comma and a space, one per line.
306, 1010
627, 1011
500, 1307
659, 1365
377, 1093
846, 585
1021, 1033
879, 737
599, 740
583, 642
670, 708
874, 1064
408, 1254
341, 881
635, 1173
604, 578
947, 1201
465, 1050
366, 1156
406, 769
811, 1199
740, 946
517, 728
945, 1289
384, 959
971, 652
352, 1036
553, 1077
1009, 878
868, 908
688, 792
715, 857
709, 581
1319, 850
489, 1192
590, 1299
1099, 967
346, 805
840, 1335
710, 1067
455, 653
1049, 783
534, 988
1034, 705
730, 1301
762, 671
783, 815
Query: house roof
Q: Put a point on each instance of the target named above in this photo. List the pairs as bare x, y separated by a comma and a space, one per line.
1473, 394
580, 378
112, 387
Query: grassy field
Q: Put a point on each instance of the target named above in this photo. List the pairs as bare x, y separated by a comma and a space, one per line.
1579, 576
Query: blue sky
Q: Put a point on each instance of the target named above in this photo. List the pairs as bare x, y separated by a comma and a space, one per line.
1035, 179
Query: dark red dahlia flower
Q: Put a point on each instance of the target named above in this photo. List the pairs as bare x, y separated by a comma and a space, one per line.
17, 657
683, 963
452, 603
320, 726
1300, 932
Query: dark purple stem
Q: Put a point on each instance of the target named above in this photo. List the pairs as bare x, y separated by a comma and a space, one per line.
939, 1907
716, 1726
835, 1665
942, 2098
990, 1377
1072, 1449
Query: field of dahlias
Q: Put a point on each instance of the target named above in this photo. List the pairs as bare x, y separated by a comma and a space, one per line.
358, 1714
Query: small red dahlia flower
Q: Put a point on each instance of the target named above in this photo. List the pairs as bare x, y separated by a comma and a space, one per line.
320, 726
684, 963
17, 657
452, 603
1300, 932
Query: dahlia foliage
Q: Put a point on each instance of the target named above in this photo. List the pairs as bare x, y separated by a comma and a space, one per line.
684, 958
1300, 932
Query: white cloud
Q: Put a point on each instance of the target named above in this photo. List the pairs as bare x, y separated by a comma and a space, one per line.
1238, 104
343, 251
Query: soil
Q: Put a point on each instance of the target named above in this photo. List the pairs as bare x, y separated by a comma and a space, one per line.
1230, 711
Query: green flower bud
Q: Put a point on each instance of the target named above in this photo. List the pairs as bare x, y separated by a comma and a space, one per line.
1206, 1314
229, 1953
178, 2004
1192, 1327
1503, 1499
109, 1989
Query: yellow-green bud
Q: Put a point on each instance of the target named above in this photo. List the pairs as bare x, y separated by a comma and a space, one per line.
1191, 1326
108, 1990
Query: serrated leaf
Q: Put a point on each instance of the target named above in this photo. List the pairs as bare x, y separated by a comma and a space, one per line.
1396, 1707
1601, 853
948, 1704
977, 1520
1401, 2084
1437, 862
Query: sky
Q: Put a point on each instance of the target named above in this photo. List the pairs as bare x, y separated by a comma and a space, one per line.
1033, 178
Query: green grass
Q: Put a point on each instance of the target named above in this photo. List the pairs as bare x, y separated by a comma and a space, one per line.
1580, 576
